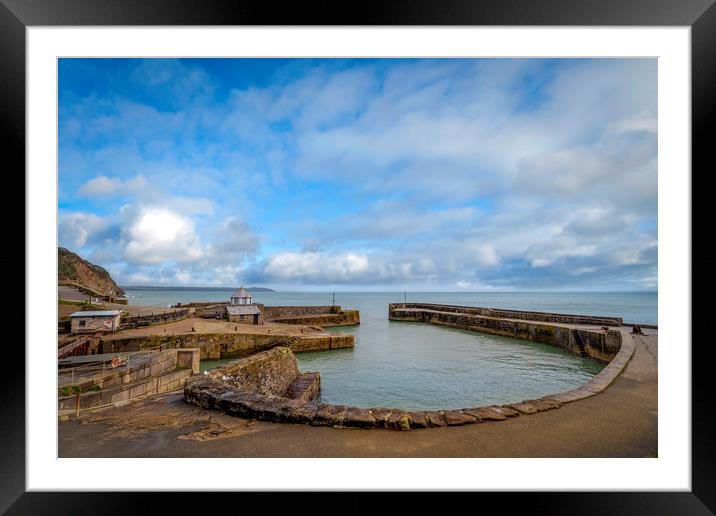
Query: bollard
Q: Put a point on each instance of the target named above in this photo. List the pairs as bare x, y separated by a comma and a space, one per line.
77, 405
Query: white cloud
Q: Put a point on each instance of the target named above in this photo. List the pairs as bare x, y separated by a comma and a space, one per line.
157, 235
79, 229
475, 285
234, 238
313, 266
103, 186
190, 205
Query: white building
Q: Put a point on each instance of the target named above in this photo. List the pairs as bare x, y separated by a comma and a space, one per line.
241, 297
104, 320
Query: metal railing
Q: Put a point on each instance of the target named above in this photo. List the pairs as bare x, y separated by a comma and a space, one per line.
152, 318
124, 362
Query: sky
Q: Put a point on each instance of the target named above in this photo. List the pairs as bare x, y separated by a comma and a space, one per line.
362, 174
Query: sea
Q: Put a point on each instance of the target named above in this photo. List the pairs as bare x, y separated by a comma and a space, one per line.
417, 366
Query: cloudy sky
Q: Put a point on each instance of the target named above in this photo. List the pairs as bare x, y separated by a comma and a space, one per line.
362, 174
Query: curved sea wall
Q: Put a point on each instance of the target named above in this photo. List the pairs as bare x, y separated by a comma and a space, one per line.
600, 341
216, 391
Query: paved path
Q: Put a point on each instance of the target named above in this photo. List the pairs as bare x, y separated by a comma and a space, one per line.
619, 422
192, 325
71, 294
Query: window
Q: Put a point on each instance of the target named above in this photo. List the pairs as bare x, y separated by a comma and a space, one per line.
82, 322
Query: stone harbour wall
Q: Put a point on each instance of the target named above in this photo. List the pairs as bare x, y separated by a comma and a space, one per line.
599, 343
276, 312
514, 314
211, 311
342, 318
215, 346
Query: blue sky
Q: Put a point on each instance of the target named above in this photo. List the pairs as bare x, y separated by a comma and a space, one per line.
362, 174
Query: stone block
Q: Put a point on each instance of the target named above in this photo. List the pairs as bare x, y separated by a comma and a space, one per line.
543, 404
304, 413
505, 410
306, 387
398, 420
435, 418
329, 415
380, 414
418, 420
486, 413
358, 418
474, 413
455, 417
524, 408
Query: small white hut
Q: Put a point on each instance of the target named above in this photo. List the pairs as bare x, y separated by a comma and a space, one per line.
241, 297
91, 321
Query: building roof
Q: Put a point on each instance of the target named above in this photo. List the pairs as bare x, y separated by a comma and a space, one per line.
242, 309
242, 292
97, 313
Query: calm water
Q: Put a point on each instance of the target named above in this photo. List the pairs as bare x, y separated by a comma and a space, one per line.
420, 366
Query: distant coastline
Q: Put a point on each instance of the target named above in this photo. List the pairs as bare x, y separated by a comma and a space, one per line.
200, 289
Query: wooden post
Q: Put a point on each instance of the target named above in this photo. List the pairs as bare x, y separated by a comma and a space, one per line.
77, 405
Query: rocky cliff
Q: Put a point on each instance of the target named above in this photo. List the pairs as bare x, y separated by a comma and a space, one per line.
73, 270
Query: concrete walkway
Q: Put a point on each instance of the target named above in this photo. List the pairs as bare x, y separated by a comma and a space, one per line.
192, 325
619, 422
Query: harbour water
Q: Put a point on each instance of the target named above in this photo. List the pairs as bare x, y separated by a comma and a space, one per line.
418, 366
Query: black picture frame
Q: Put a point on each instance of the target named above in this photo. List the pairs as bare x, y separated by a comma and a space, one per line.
699, 15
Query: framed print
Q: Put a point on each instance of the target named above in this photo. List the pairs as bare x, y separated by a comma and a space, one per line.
419, 248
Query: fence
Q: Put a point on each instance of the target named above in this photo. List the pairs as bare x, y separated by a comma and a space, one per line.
117, 378
94, 370
134, 321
